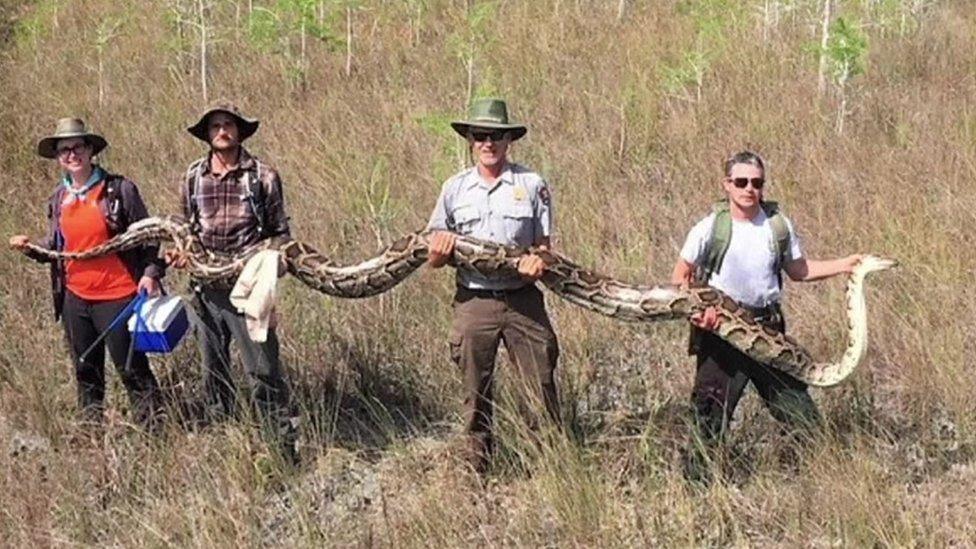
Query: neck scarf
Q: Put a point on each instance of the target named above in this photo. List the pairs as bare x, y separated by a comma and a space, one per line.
79, 194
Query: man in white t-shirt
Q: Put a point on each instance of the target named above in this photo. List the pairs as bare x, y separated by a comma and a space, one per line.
742, 248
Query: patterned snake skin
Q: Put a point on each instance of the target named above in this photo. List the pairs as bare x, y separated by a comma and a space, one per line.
576, 284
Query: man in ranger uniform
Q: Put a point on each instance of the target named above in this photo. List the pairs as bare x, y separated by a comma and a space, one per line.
506, 203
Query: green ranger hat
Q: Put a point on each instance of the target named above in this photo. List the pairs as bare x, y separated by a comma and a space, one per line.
489, 114
245, 126
67, 128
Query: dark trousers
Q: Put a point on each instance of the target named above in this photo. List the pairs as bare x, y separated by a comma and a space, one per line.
83, 322
721, 377
519, 319
262, 365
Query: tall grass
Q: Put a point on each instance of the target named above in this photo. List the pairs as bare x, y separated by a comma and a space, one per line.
632, 106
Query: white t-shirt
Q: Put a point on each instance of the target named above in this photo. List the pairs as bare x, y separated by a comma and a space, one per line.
747, 273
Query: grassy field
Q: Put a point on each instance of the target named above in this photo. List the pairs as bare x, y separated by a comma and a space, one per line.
632, 106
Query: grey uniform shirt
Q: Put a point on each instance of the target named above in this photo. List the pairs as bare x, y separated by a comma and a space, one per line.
515, 211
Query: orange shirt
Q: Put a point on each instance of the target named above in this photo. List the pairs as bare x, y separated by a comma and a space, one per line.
83, 226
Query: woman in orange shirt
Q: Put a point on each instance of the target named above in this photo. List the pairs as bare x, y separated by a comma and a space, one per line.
89, 206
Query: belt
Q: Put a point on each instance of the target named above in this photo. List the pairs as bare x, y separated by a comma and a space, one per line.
771, 312
492, 294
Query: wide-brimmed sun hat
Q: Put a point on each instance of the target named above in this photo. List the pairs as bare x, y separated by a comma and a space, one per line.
489, 114
66, 129
245, 126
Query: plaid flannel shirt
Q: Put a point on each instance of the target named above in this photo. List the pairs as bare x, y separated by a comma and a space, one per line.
227, 222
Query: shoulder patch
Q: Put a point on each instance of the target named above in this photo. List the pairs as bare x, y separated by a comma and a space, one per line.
544, 195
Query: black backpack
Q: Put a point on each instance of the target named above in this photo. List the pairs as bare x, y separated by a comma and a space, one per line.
114, 212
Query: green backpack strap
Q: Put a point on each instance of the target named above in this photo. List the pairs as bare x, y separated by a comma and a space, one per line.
781, 234
718, 242
721, 237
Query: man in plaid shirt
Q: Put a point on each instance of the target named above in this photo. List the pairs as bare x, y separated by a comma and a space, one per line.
234, 200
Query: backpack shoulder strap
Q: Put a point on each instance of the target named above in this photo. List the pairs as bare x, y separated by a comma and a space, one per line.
54, 217
113, 202
193, 174
54, 201
781, 237
781, 231
255, 195
718, 240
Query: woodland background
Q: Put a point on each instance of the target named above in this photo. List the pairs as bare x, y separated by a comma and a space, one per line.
864, 109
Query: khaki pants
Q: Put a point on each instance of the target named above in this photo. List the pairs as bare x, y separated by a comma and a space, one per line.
519, 319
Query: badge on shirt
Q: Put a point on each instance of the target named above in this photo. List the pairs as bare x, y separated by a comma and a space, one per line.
519, 194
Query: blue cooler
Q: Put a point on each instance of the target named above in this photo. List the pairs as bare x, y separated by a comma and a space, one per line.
158, 324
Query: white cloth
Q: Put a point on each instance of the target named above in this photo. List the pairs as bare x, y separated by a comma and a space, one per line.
748, 273
255, 292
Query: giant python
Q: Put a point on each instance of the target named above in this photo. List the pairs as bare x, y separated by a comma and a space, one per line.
570, 281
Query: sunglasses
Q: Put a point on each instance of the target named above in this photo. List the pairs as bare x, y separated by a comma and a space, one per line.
77, 150
493, 136
741, 182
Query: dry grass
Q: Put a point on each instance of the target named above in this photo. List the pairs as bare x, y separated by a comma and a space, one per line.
633, 164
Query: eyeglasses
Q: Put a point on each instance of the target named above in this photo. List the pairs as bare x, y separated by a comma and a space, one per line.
741, 182
76, 150
493, 136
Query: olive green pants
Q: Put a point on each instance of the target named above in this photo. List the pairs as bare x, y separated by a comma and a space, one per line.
518, 318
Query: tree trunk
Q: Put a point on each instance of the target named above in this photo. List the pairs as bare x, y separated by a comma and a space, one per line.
304, 43
622, 142
203, 52
348, 40
841, 113
842, 89
824, 37
101, 79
